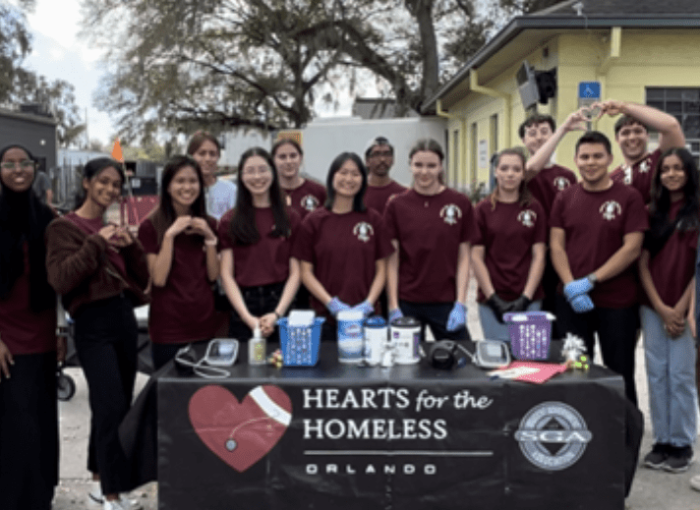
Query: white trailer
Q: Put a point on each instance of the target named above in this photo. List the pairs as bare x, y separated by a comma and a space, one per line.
326, 137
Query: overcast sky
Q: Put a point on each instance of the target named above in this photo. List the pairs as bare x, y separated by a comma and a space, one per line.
58, 53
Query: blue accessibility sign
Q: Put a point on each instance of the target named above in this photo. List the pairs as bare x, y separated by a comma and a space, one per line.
589, 90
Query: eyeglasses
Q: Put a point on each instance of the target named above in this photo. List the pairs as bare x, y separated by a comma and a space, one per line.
11, 165
250, 171
381, 154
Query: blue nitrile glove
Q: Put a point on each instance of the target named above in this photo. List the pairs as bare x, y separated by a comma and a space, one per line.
458, 317
577, 287
396, 313
365, 307
336, 305
582, 303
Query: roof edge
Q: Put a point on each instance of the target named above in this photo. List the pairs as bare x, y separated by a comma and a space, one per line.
521, 23
28, 116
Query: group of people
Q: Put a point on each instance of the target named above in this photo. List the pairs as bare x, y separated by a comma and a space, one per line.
608, 255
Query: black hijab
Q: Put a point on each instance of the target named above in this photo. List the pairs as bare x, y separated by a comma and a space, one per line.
23, 218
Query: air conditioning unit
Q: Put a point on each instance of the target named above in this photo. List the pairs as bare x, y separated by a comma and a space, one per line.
535, 86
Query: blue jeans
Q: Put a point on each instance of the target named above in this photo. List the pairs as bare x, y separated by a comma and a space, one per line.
494, 330
671, 375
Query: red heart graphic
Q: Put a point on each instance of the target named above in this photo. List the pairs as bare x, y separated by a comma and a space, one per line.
240, 433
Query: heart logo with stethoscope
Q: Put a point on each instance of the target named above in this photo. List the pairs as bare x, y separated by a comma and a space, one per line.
240, 433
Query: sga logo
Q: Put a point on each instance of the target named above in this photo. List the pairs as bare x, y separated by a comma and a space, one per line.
553, 436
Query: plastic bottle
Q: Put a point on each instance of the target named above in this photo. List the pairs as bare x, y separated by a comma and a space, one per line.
257, 348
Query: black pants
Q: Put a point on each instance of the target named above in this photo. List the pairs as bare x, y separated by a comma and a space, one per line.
29, 433
434, 315
259, 301
105, 339
617, 334
550, 281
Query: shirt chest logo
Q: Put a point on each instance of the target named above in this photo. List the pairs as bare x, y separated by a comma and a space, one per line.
527, 218
610, 210
627, 172
451, 213
561, 183
645, 166
363, 231
309, 202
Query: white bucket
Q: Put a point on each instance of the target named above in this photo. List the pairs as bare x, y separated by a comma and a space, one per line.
405, 337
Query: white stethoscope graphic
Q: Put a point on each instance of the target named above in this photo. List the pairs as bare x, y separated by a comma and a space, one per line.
272, 410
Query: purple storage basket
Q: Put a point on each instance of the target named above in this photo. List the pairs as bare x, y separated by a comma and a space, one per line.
300, 345
530, 334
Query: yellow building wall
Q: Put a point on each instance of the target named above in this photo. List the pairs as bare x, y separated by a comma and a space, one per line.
648, 58
478, 108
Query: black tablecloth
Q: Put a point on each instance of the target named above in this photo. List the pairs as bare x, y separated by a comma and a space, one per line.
339, 436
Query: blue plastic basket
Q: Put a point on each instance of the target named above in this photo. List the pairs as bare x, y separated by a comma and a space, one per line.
300, 345
530, 334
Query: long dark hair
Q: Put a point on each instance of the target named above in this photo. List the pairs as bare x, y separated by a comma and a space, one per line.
358, 202
165, 214
244, 230
23, 219
92, 169
660, 225
524, 196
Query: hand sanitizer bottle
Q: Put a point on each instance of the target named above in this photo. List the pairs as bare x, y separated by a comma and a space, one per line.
257, 348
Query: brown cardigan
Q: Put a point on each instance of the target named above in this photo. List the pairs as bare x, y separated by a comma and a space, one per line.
79, 269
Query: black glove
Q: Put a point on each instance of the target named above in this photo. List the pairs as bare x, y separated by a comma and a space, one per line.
498, 306
520, 304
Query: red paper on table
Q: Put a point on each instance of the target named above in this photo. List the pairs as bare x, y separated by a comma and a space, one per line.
529, 371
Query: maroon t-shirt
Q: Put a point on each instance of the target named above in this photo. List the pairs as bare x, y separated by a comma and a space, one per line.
92, 227
594, 224
182, 311
673, 267
548, 183
266, 261
343, 249
376, 197
21, 329
640, 175
429, 230
306, 198
507, 234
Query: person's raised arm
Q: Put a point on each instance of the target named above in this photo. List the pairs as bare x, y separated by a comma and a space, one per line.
538, 161
671, 133
160, 264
